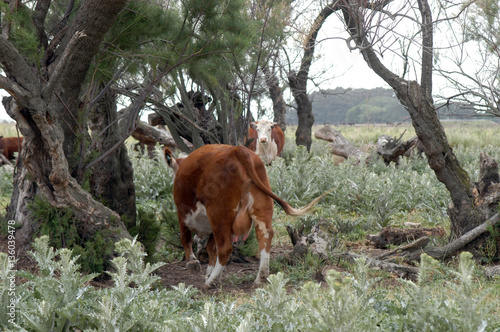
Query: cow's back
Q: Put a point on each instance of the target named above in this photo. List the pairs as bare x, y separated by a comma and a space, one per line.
212, 172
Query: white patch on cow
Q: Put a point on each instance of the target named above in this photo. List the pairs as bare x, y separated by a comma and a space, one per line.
250, 202
215, 274
198, 221
210, 268
266, 148
263, 267
262, 226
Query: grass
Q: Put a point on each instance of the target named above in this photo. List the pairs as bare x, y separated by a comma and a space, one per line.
8, 129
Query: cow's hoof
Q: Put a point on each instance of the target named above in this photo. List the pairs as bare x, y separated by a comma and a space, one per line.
193, 267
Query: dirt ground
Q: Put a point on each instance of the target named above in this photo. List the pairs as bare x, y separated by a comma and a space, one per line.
236, 278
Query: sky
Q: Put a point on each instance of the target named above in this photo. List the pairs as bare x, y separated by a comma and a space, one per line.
345, 68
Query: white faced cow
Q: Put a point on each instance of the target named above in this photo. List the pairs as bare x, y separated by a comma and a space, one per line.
220, 191
268, 140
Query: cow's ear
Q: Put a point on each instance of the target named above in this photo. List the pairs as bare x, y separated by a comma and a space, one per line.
169, 158
253, 125
168, 155
274, 124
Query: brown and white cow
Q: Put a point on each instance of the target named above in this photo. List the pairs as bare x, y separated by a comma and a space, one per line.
268, 141
9, 145
219, 191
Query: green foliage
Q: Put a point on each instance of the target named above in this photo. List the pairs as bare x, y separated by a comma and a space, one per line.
53, 296
154, 185
22, 33
147, 229
251, 247
61, 227
430, 310
59, 299
137, 39
372, 195
153, 182
297, 269
58, 224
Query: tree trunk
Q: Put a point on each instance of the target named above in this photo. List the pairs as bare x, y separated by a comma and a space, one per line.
298, 82
304, 113
46, 110
112, 179
462, 210
276, 94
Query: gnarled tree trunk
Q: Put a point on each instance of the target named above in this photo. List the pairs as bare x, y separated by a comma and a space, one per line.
46, 111
112, 179
417, 98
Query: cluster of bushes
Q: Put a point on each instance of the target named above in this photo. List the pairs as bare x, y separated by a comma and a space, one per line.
60, 299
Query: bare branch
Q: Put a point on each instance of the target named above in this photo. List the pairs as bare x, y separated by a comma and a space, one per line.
62, 65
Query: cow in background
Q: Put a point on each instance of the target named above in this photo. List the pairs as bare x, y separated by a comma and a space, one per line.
9, 145
268, 140
221, 191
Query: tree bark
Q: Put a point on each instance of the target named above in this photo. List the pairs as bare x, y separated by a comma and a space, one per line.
46, 111
298, 82
276, 94
112, 179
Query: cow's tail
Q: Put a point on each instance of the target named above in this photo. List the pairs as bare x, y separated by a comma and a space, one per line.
169, 158
244, 155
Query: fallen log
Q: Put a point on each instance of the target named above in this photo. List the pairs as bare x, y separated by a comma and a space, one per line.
397, 236
328, 133
339, 145
347, 150
402, 251
449, 249
388, 148
403, 271
492, 271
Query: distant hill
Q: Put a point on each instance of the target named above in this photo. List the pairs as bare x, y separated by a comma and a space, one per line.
341, 105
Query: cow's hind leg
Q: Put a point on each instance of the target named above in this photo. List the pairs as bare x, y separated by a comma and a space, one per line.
192, 264
264, 233
212, 256
224, 248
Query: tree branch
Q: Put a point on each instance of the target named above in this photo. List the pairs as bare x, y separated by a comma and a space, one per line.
38, 19
19, 72
449, 249
60, 69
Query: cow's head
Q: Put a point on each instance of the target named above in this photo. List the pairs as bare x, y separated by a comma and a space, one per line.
264, 129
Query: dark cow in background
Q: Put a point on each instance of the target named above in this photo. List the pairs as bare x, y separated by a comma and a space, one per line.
9, 145
269, 140
219, 191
